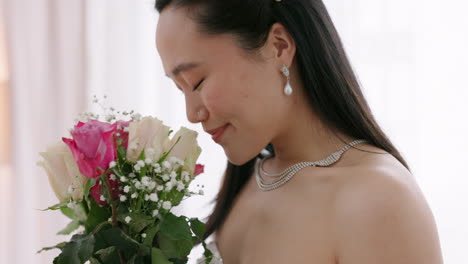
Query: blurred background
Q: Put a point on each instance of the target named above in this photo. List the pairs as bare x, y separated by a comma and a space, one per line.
411, 58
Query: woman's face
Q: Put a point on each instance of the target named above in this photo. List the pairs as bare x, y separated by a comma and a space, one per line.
231, 88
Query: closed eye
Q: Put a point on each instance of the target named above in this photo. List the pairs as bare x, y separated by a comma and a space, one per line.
198, 84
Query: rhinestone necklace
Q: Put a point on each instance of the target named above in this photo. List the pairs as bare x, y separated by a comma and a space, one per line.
289, 172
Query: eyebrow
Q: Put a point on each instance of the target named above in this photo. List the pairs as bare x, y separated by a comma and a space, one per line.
183, 67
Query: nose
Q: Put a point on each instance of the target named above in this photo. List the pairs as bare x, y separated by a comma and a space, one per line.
195, 110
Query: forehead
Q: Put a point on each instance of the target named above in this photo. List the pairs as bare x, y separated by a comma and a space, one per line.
179, 41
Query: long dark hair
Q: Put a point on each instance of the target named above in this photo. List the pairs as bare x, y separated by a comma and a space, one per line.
330, 84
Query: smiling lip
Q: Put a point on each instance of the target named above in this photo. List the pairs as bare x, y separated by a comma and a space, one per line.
217, 133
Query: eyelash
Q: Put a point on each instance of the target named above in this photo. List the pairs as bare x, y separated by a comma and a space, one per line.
196, 86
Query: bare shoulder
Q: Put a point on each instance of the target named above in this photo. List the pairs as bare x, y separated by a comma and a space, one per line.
381, 216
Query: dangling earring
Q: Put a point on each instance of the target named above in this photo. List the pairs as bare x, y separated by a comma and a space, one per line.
287, 89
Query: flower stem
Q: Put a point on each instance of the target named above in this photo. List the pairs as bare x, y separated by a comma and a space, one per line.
113, 205
114, 215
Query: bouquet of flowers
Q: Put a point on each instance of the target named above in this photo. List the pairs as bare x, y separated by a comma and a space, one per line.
117, 180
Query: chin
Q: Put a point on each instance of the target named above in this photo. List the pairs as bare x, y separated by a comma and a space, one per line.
240, 158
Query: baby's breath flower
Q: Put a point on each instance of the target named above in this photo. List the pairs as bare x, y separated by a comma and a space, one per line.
153, 197
112, 177
134, 195
128, 219
173, 174
145, 180
167, 205
167, 164
143, 235
132, 146
169, 186
126, 189
159, 188
151, 185
102, 198
187, 178
123, 179
138, 185
148, 161
180, 187
147, 197
157, 170
165, 177
123, 198
137, 167
112, 164
155, 212
132, 175
141, 163
173, 181
136, 117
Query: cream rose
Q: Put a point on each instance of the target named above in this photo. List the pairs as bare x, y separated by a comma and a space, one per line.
63, 173
186, 149
148, 134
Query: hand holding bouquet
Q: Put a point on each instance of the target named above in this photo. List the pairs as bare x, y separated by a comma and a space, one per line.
118, 181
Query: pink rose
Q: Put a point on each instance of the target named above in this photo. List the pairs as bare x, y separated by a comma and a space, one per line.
120, 132
92, 146
96, 191
199, 169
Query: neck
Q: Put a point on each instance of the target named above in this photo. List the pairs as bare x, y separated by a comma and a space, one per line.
305, 138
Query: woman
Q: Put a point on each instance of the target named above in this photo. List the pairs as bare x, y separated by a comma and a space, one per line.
274, 73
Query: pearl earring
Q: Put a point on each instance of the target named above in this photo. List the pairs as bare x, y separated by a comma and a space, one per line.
287, 89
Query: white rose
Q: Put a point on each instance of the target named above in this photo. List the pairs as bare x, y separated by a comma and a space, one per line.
63, 173
186, 149
147, 133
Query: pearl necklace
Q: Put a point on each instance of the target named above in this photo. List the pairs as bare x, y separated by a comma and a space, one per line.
289, 172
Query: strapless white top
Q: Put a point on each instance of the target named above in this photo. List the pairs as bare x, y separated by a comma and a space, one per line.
216, 255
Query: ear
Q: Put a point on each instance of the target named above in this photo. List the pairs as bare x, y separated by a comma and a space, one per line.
281, 44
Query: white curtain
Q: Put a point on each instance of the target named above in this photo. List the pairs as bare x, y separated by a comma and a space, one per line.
410, 57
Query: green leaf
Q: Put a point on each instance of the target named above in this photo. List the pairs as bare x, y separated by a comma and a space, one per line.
175, 248
140, 222
177, 198
78, 212
169, 151
56, 206
94, 261
157, 257
175, 228
207, 253
142, 155
72, 226
197, 227
90, 182
116, 237
108, 255
96, 215
122, 152
58, 246
150, 234
77, 251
